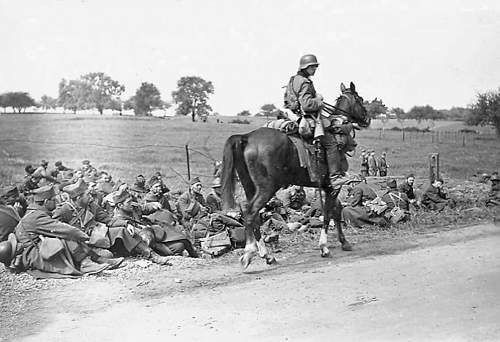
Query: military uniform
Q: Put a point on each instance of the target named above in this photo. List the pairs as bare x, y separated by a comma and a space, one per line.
382, 166
434, 198
214, 202
310, 106
138, 190
88, 218
62, 254
372, 165
364, 165
356, 212
160, 198
407, 189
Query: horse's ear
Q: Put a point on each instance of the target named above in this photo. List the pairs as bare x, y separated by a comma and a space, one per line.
342, 87
353, 87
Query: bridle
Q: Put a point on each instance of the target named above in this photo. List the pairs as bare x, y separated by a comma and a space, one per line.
331, 109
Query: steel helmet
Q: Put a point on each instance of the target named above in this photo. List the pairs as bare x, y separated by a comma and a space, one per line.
308, 60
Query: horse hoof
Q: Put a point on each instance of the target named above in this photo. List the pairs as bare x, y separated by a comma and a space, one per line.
245, 261
271, 260
347, 247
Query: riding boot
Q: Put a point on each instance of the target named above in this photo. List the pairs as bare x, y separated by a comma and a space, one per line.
145, 251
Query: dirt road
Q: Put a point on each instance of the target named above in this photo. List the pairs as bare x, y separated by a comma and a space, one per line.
445, 292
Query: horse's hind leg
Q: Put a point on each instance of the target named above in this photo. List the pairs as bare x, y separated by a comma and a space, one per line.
254, 240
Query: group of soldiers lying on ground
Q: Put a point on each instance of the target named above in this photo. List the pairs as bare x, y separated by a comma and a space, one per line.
70, 222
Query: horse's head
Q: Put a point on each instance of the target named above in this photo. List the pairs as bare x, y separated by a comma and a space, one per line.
351, 103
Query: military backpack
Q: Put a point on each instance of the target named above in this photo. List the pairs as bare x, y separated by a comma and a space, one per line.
291, 99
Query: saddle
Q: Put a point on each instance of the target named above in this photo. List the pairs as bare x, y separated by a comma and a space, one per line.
311, 159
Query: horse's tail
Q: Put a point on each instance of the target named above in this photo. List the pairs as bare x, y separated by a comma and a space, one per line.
232, 163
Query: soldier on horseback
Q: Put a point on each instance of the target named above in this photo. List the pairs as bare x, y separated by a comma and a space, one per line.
307, 103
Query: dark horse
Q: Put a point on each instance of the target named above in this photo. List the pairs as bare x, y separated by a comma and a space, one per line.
265, 161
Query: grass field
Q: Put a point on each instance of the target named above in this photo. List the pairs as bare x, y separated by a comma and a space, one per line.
127, 146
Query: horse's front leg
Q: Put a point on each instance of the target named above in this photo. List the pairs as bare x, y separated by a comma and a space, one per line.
323, 237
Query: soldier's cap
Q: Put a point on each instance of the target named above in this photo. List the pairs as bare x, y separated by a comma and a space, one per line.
58, 163
138, 176
158, 174
439, 180
86, 162
410, 175
495, 178
76, 189
120, 197
194, 181
44, 192
9, 191
43, 162
384, 153
216, 183
391, 184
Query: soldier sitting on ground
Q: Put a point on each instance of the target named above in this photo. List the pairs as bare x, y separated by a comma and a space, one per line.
158, 231
46, 246
435, 198
139, 189
105, 231
407, 188
157, 194
192, 210
214, 201
359, 210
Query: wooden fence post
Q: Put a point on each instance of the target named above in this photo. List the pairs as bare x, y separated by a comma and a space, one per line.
433, 166
187, 161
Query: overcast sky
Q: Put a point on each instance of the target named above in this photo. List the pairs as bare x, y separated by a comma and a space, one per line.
407, 53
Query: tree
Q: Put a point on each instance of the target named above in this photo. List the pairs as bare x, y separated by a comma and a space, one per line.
192, 96
74, 95
267, 110
486, 110
420, 113
399, 113
103, 90
375, 108
4, 102
18, 100
47, 102
146, 99
244, 113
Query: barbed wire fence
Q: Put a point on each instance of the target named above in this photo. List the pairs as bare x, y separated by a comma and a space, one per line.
204, 152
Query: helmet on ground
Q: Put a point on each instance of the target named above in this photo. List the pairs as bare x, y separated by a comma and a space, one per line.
8, 250
308, 60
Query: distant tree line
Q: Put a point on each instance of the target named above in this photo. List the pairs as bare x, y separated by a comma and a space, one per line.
99, 91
